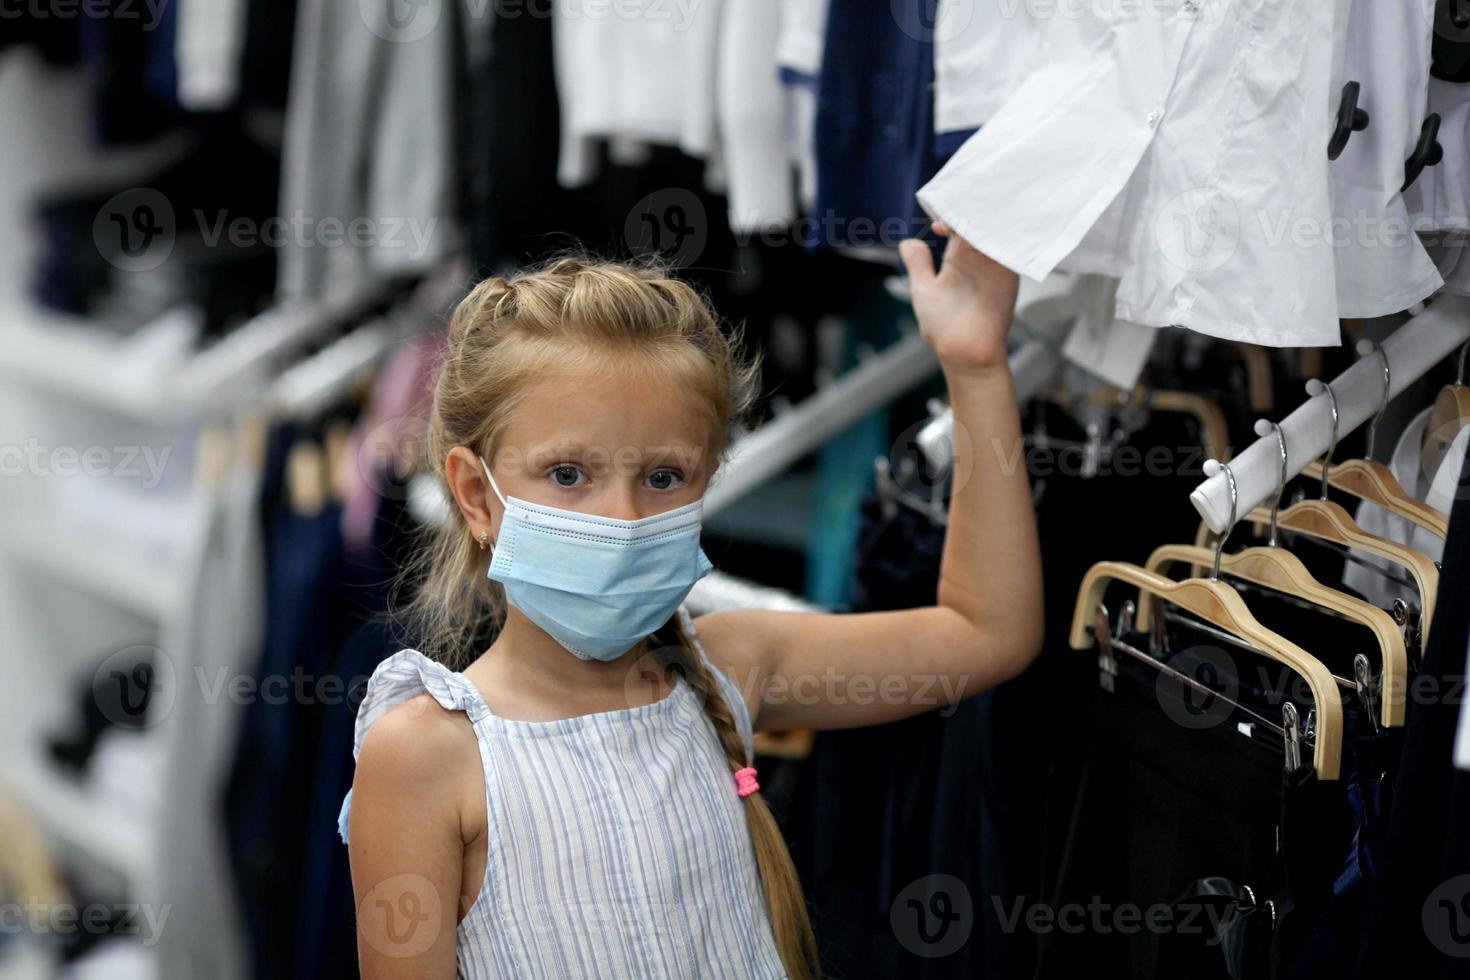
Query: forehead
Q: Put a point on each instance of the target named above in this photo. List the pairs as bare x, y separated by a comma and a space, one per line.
612, 410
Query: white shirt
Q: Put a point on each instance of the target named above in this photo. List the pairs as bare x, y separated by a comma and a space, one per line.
208, 42
1381, 266
1437, 489
1452, 255
1440, 198
1407, 467
981, 52
640, 69
1175, 149
802, 36
799, 46
755, 114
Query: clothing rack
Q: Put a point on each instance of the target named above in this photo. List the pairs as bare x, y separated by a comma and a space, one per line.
1412, 351
722, 592
877, 381
257, 345
761, 454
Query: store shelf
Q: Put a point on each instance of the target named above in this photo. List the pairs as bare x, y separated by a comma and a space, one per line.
72, 357
101, 565
91, 363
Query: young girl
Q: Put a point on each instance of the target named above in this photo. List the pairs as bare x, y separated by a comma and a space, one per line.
559, 804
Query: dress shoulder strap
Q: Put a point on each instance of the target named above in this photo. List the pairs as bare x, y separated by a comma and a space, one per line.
402, 677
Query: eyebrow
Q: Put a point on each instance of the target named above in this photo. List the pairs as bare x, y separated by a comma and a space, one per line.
678, 452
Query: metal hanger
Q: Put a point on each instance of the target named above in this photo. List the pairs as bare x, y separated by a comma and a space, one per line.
1325, 521
1370, 480
1278, 570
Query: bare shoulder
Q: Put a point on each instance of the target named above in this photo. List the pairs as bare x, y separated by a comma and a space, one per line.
418, 746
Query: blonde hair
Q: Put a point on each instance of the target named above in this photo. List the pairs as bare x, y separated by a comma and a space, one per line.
506, 333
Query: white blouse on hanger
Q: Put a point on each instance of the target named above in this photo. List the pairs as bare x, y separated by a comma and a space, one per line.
1181, 151
1381, 266
637, 70
1440, 199
982, 49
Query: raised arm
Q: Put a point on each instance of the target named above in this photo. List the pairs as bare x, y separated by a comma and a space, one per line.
815, 670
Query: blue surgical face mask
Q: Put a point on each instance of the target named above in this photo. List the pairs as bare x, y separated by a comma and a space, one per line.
597, 585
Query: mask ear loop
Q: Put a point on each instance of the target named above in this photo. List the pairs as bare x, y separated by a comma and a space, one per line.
484, 536
492, 481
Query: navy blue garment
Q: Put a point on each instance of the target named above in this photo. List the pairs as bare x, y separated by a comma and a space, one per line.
928, 800
947, 144
270, 787
875, 119
326, 944
123, 49
1419, 909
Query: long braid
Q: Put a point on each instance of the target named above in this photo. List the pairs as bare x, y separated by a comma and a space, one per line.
790, 923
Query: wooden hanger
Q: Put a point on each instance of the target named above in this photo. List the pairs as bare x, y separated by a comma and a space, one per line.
1258, 374
1450, 414
1214, 428
1327, 521
1276, 568
1279, 569
1368, 479
1220, 605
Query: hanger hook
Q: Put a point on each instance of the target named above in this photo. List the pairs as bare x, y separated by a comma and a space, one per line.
1261, 428
1211, 467
1377, 348
1332, 446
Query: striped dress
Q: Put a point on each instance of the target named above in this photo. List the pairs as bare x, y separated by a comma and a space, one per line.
617, 844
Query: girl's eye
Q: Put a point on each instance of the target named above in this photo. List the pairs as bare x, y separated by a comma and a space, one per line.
665, 479
566, 475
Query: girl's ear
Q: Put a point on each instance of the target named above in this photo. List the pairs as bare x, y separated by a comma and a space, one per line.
472, 493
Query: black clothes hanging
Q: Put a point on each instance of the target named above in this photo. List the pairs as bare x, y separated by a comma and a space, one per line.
1419, 914
516, 207
1159, 807
884, 809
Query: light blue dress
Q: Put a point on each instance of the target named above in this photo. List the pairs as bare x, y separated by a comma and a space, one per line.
617, 844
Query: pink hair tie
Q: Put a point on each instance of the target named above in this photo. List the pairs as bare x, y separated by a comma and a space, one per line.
745, 783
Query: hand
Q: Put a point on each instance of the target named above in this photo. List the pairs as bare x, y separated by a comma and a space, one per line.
965, 309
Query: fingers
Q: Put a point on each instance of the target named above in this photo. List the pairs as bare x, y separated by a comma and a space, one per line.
917, 259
